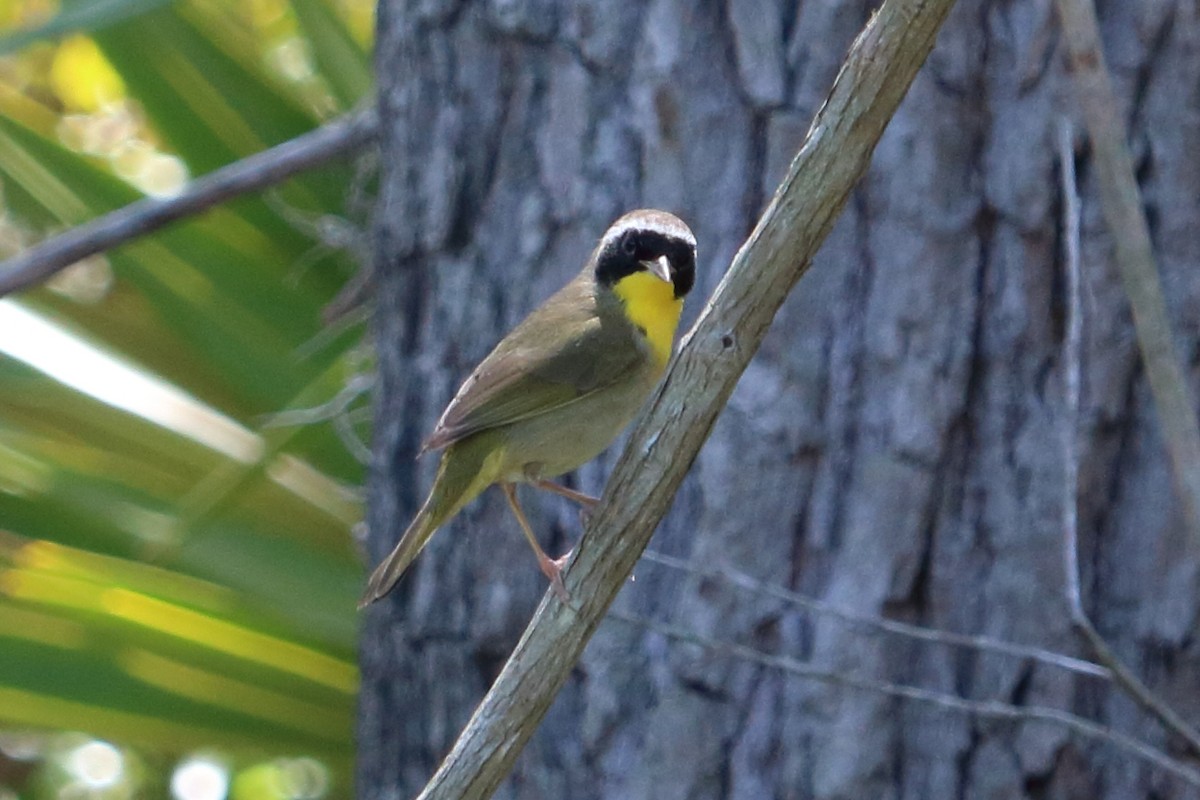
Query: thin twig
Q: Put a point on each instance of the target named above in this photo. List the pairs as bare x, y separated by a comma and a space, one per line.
250, 174
990, 709
357, 386
336, 411
343, 425
877, 72
1073, 348
922, 633
1122, 206
1122, 675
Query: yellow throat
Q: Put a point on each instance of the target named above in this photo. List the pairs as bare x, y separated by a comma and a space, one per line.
651, 305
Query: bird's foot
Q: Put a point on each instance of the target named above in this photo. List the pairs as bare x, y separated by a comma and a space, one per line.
552, 568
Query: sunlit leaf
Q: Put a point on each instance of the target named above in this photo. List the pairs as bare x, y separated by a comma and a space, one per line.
157, 586
199, 278
82, 77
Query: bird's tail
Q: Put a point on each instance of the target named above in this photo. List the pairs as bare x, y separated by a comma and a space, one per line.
460, 478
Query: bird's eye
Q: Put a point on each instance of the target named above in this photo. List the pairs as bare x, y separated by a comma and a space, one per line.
628, 245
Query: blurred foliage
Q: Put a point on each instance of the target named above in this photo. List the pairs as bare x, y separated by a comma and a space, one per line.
178, 489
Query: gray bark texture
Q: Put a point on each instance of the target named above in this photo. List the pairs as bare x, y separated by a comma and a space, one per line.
893, 448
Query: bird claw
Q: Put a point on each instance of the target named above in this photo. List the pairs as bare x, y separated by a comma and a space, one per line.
552, 568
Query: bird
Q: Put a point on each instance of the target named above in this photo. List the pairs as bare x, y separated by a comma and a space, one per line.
560, 387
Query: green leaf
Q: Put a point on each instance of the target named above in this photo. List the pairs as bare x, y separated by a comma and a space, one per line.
154, 589
203, 281
343, 64
79, 15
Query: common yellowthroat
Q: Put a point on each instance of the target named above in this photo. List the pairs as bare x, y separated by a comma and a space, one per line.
560, 386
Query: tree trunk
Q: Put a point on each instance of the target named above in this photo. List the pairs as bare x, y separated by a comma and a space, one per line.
893, 449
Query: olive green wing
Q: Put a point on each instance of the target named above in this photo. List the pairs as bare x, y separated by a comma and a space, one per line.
563, 351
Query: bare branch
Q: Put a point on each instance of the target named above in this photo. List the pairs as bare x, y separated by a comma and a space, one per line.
878, 71
357, 386
920, 632
255, 172
1121, 202
989, 709
1124, 677
336, 411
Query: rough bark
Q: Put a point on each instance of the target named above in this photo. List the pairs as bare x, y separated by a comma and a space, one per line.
892, 448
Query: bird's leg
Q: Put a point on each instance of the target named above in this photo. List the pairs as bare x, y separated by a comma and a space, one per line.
551, 568
587, 503
585, 500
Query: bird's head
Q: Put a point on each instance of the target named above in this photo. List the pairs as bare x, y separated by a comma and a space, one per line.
652, 241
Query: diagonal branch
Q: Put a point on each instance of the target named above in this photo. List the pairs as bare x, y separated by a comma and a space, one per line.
1122, 206
251, 174
878, 71
1121, 202
1122, 674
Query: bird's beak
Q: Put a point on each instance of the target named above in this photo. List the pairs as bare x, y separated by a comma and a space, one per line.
659, 267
